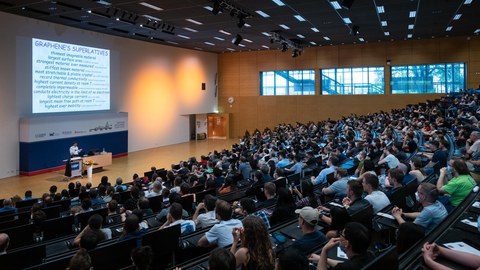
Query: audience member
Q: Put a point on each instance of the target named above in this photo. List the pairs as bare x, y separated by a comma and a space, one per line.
292, 258
332, 164
80, 261
459, 186
375, 197
8, 206
433, 251
174, 217
142, 257
339, 187
256, 250
312, 237
208, 218
220, 234
4, 242
284, 210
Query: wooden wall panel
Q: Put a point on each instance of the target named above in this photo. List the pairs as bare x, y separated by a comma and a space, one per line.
239, 76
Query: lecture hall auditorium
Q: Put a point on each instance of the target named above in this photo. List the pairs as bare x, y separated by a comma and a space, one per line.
353, 123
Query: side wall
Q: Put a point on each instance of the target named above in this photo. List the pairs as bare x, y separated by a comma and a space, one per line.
159, 86
239, 77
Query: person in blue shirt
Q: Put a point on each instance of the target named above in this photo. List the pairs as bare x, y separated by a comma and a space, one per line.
282, 161
8, 206
297, 167
332, 164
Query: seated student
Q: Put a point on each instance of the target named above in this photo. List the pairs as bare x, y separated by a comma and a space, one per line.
439, 157
432, 251
312, 237
306, 195
339, 187
396, 194
285, 207
269, 190
221, 259
375, 197
389, 158
221, 234
80, 261
208, 218
292, 258
8, 206
459, 186
142, 257
417, 170
354, 240
332, 164
297, 167
95, 226
433, 212
174, 217
132, 230
246, 207
353, 203
172, 198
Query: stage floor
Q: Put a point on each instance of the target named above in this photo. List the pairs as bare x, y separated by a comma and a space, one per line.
136, 162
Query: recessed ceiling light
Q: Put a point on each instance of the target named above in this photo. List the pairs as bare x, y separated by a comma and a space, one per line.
284, 26
347, 20
412, 14
361, 39
384, 23
300, 36
300, 18
219, 38
335, 5
380, 9
197, 48
457, 17
326, 38
386, 33
230, 49
409, 35
247, 40
266, 47
241, 45
449, 28
247, 25
410, 26
261, 13
314, 29
266, 34
182, 36
224, 32
194, 21
190, 29
172, 42
278, 2
209, 8
145, 4
209, 43
477, 31
313, 43
467, 2
152, 17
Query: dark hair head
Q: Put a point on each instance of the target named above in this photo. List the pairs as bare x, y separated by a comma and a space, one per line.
221, 259
92, 193
334, 160
408, 234
248, 205
80, 261
131, 224
368, 165
184, 188
142, 257
356, 187
89, 240
112, 205
86, 204
396, 174
358, 236
430, 191
143, 203
53, 189
135, 192
28, 193
176, 210
175, 198
95, 222
293, 259
460, 166
257, 240
71, 185
285, 198
210, 202
224, 210
372, 180
270, 188
341, 171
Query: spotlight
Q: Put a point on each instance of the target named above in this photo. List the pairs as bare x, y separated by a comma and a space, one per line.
354, 30
347, 4
237, 39
241, 21
284, 47
216, 7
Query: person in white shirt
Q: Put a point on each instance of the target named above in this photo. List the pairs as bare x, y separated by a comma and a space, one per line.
174, 217
375, 197
74, 150
389, 158
155, 191
209, 217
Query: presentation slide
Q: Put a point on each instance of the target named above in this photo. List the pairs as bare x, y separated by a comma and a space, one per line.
69, 78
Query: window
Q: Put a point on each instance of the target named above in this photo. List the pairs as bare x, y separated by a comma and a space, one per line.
426, 79
353, 81
287, 82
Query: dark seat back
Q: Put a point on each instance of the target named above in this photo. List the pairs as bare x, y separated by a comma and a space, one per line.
397, 198
187, 203
201, 195
113, 256
23, 258
155, 203
294, 178
57, 227
364, 216
26, 203
52, 211
165, 248
82, 218
65, 204
20, 236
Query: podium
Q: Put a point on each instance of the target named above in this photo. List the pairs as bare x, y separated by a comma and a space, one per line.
100, 160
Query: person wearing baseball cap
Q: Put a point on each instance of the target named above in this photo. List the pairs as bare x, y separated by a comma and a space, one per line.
312, 238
